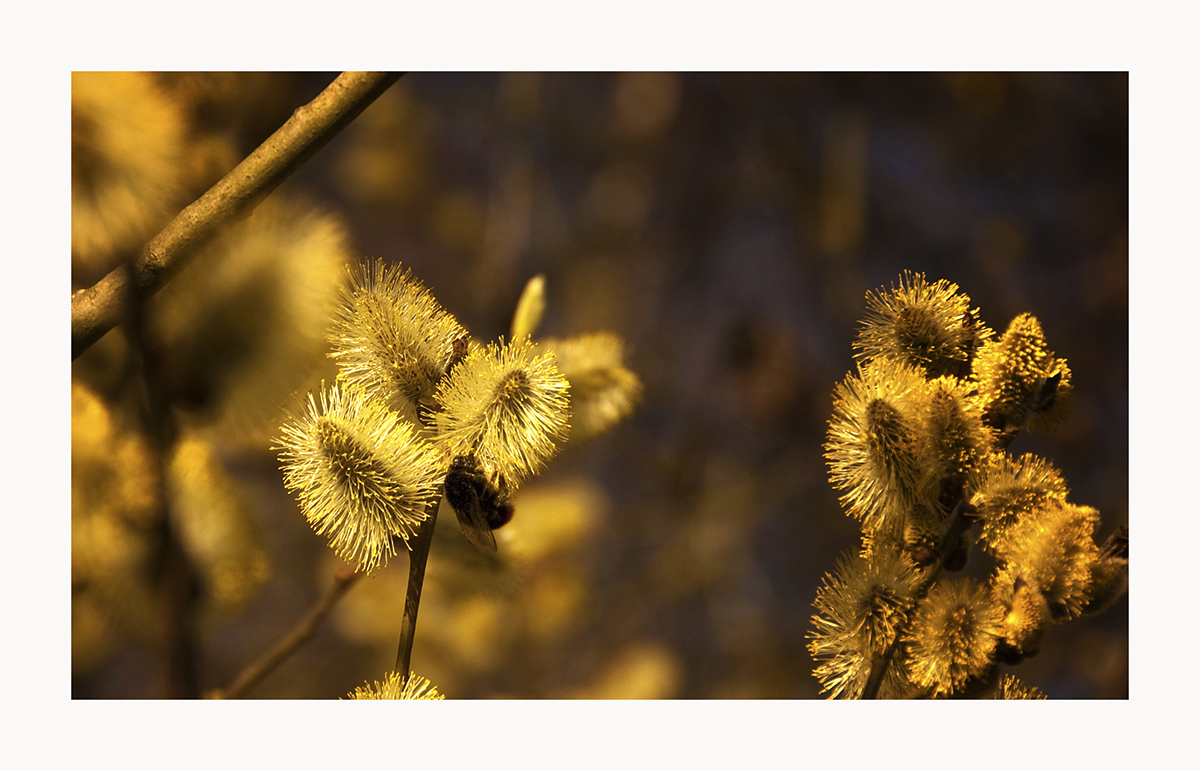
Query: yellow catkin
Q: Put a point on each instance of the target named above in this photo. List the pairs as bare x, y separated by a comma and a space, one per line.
392, 339
1020, 381
362, 477
860, 609
394, 686
127, 141
920, 324
1054, 549
872, 445
953, 635
507, 406
603, 390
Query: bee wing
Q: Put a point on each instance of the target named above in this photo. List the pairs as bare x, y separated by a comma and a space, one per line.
472, 521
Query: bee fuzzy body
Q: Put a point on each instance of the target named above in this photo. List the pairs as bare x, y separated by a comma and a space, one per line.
481, 506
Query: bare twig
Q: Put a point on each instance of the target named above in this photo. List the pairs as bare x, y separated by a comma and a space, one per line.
416, 579
253, 673
97, 309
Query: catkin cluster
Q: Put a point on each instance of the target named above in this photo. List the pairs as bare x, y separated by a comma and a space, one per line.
420, 408
917, 449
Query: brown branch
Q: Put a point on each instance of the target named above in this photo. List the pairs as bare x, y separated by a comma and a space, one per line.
255, 672
97, 309
417, 558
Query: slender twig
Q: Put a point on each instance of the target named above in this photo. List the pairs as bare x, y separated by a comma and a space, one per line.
97, 309
960, 522
417, 558
305, 629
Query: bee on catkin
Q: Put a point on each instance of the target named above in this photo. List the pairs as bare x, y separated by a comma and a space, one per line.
506, 406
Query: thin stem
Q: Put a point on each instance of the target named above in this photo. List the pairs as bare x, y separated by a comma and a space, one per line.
961, 521
253, 673
97, 309
417, 558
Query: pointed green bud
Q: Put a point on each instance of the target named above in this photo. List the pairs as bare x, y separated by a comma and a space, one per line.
530, 308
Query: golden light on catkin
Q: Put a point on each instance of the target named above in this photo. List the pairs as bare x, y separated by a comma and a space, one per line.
396, 686
507, 406
362, 477
872, 445
392, 339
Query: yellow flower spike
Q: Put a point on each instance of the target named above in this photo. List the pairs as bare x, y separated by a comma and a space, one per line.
953, 635
1020, 381
127, 144
1028, 615
859, 610
1110, 573
921, 533
215, 525
872, 441
505, 405
392, 339
603, 390
113, 473
242, 334
1013, 689
362, 477
530, 308
1010, 490
952, 443
394, 687
1054, 550
923, 325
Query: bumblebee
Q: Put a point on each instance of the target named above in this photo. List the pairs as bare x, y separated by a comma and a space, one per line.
481, 506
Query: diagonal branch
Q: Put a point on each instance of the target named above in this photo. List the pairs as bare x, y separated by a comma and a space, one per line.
253, 673
97, 309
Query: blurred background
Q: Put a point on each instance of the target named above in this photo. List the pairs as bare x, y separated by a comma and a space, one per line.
726, 226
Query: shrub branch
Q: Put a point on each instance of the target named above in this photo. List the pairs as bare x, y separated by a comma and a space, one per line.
253, 673
417, 558
99, 308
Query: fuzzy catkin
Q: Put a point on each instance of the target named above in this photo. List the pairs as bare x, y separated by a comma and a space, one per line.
392, 339
362, 477
506, 406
